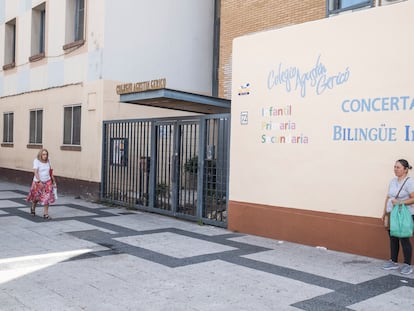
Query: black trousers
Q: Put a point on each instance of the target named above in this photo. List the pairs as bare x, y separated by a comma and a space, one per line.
406, 247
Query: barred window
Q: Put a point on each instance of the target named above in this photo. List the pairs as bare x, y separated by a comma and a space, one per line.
36, 126
8, 121
72, 125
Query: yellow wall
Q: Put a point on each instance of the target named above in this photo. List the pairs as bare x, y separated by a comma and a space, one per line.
99, 102
363, 55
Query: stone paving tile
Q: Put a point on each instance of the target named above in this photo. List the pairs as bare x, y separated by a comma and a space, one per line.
387, 301
93, 257
175, 245
329, 264
10, 203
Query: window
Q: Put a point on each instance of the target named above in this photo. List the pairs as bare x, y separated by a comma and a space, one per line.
38, 32
10, 45
8, 120
72, 125
75, 21
79, 19
119, 151
36, 126
337, 6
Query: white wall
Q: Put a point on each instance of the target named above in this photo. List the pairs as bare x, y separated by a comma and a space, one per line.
170, 39
363, 55
126, 41
174, 41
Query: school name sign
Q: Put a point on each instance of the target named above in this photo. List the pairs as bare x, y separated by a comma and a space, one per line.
143, 86
292, 78
316, 104
319, 80
382, 133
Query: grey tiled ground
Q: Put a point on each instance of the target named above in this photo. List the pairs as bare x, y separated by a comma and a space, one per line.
91, 257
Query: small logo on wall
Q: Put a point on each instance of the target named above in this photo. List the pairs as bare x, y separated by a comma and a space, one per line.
244, 89
244, 118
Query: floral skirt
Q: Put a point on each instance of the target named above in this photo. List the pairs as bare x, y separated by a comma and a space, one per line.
41, 193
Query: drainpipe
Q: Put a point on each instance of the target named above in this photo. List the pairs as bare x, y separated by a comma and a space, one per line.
216, 48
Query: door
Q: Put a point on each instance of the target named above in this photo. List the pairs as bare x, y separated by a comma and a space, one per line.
176, 167
170, 166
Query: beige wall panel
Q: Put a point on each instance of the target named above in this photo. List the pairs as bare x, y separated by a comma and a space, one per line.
76, 68
12, 9
10, 83
38, 77
37, 2
83, 165
23, 38
55, 27
95, 25
325, 171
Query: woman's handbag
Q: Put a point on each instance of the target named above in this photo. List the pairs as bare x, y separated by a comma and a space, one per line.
387, 221
54, 182
55, 192
387, 216
401, 222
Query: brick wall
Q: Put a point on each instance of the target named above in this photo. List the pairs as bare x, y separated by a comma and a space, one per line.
241, 17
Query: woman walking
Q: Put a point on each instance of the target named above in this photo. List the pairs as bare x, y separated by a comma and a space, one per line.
41, 190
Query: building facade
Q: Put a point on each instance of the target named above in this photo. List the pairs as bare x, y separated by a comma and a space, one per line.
321, 111
65, 64
239, 18
61, 62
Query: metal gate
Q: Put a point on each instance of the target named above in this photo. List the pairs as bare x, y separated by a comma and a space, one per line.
177, 167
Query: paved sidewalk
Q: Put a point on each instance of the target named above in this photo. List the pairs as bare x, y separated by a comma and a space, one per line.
92, 257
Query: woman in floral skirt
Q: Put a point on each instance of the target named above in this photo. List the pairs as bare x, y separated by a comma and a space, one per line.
41, 190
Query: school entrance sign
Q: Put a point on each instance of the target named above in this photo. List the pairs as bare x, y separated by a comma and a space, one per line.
320, 113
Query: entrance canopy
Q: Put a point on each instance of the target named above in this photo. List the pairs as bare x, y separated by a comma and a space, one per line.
178, 100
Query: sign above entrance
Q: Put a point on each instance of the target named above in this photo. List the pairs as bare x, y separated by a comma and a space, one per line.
141, 86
